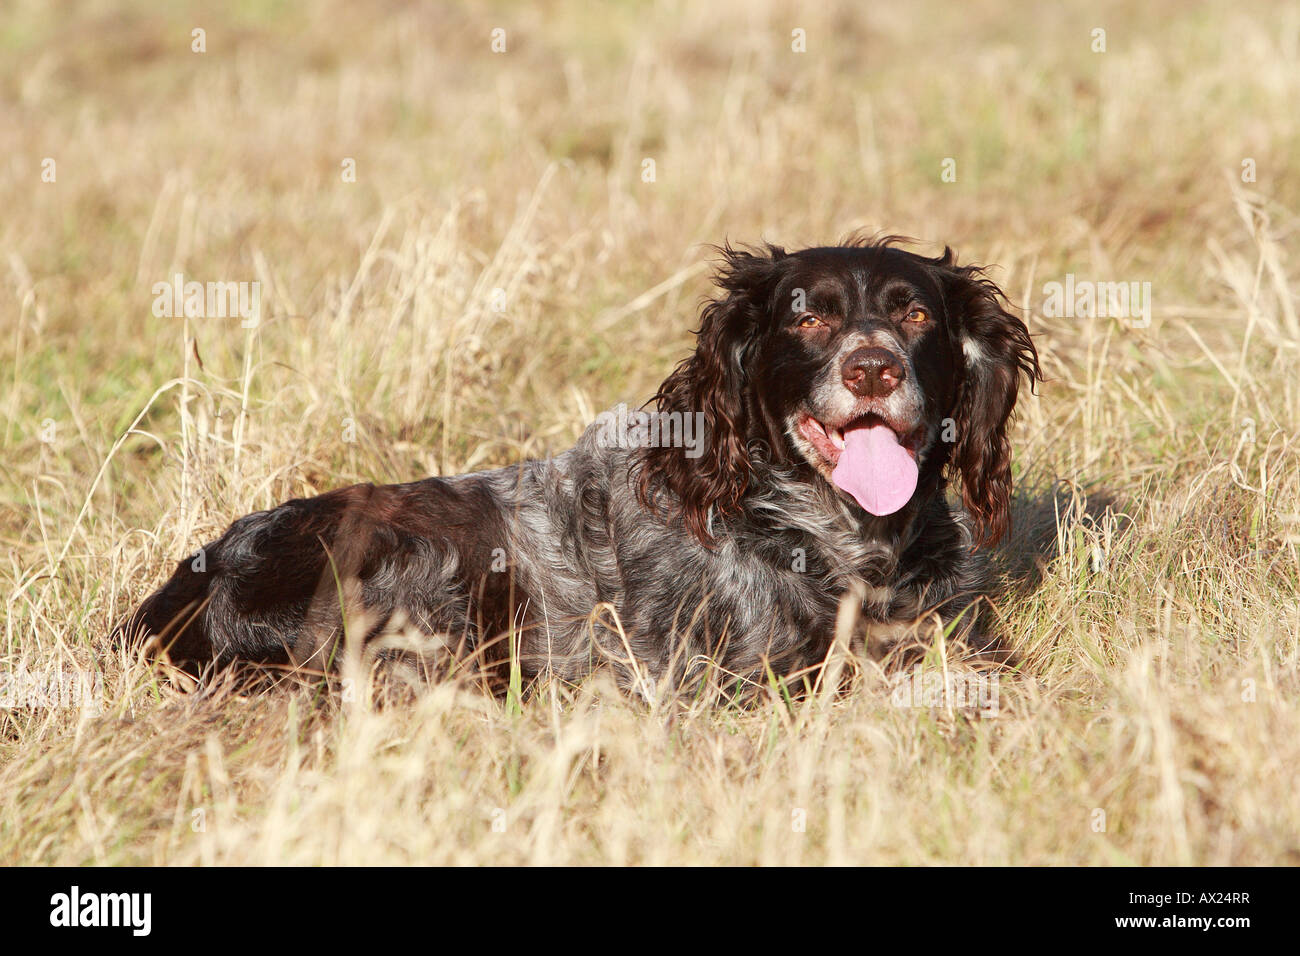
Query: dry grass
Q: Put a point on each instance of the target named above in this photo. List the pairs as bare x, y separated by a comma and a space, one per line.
1152, 579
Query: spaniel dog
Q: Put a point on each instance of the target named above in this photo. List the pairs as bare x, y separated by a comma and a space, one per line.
796, 462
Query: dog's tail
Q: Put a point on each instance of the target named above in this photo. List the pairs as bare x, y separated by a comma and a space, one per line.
173, 621
268, 591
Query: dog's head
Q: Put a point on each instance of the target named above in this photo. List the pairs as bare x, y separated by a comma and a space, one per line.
866, 365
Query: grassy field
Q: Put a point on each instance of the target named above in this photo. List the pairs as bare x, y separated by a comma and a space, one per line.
463, 256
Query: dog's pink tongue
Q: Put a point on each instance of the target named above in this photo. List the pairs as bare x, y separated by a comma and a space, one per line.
875, 469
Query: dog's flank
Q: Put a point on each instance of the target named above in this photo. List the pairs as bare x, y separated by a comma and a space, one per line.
661, 564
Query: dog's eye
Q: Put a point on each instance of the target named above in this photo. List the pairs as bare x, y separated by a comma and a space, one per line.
810, 321
916, 315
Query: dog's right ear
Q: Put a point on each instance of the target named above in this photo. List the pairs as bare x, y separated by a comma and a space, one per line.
996, 351
713, 381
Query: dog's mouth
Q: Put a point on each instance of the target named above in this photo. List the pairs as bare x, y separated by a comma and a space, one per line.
869, 457
828, 440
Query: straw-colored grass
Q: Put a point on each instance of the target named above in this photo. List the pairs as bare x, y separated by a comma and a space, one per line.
500, 271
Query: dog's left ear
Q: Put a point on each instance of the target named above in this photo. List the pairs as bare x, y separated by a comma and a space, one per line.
713, 382
996, 351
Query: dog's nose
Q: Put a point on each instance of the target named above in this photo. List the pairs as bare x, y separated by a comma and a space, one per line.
872, 372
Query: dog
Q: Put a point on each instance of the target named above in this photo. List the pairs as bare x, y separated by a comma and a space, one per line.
839, 388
